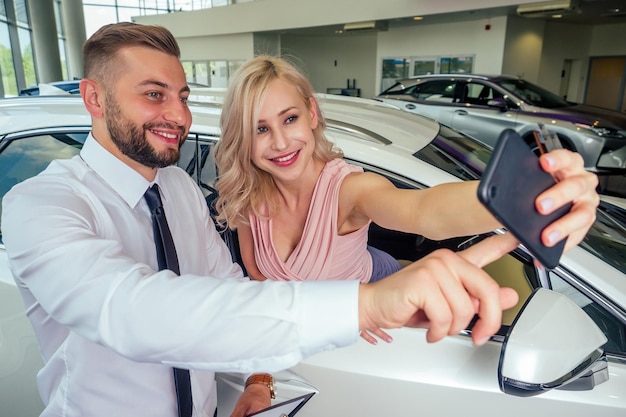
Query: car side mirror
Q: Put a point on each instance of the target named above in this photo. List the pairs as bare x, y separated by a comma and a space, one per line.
552, 343
498, 103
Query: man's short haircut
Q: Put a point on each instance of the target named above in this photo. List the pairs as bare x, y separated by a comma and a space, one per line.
100, 49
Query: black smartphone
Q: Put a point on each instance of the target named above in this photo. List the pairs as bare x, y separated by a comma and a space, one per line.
509, 187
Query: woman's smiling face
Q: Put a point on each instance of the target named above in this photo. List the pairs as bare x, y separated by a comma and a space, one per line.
284, 143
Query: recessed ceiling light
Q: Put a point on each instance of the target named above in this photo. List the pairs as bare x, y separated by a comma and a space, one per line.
417, 17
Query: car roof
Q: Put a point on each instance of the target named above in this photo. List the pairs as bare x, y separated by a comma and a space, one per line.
32, 112
485, 77
379, 121
367, 119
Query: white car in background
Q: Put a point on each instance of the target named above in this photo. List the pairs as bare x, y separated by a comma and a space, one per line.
409, 376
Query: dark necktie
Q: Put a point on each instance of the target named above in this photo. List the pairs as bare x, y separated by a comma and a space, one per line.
166, 256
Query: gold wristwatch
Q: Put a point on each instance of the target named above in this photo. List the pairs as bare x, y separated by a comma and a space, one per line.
265, 379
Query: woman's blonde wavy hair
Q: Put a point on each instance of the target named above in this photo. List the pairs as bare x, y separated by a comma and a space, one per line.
241, 185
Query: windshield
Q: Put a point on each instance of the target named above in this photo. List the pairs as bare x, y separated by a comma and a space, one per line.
607, 237
533, 94
456, 153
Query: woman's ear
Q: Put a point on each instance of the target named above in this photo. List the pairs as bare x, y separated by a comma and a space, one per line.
93, 97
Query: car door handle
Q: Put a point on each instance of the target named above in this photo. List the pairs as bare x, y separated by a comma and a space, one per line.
410, 106
461, 112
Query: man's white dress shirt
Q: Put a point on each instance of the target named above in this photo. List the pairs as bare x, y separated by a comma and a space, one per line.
111, 327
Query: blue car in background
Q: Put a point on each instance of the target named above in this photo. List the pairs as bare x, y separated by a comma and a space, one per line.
53, 88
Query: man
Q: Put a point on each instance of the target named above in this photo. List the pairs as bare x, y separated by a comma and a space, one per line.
111, 325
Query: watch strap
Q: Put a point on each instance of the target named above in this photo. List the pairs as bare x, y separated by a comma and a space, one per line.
265, 379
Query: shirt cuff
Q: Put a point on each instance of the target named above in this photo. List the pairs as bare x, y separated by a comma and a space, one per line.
330, 314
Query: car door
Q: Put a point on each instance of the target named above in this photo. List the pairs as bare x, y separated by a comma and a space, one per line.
478, 116
22, 156
452, 377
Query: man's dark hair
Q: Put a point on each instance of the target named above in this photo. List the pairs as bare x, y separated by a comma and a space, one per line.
100, 49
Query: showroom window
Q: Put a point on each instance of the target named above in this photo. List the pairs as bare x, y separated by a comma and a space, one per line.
101, 12
210, 73
406, 67
7, 71
61, 38
16, 62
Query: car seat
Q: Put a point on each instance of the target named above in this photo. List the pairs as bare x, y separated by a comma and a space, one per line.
460, 94
483, 97
228, 235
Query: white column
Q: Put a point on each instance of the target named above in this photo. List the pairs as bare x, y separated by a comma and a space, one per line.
45, 43
74, 26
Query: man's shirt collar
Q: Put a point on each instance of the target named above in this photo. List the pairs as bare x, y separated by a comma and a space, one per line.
127, 182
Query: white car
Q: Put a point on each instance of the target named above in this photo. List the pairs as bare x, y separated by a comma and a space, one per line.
409, 376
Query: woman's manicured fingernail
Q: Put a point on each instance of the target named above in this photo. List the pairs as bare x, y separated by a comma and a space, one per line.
546, 204
554, 237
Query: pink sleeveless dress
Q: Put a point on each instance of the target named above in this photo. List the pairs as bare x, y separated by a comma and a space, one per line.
335, 257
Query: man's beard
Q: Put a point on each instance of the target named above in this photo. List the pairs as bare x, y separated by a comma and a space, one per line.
131, 139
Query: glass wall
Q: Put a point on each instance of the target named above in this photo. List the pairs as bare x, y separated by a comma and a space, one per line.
405, 67
17, 62
210, 73
7, 71
17, 67
61, 37
101, 12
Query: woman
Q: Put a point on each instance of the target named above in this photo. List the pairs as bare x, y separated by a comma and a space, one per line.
301, 212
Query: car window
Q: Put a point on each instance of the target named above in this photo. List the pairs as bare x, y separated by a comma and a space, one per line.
405, 247
511, 270
457, 154
520, 274
515, 270
25, 157
439, 91
396, 88
480, 94
534, 94
196, 157
607, 238
518, 271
